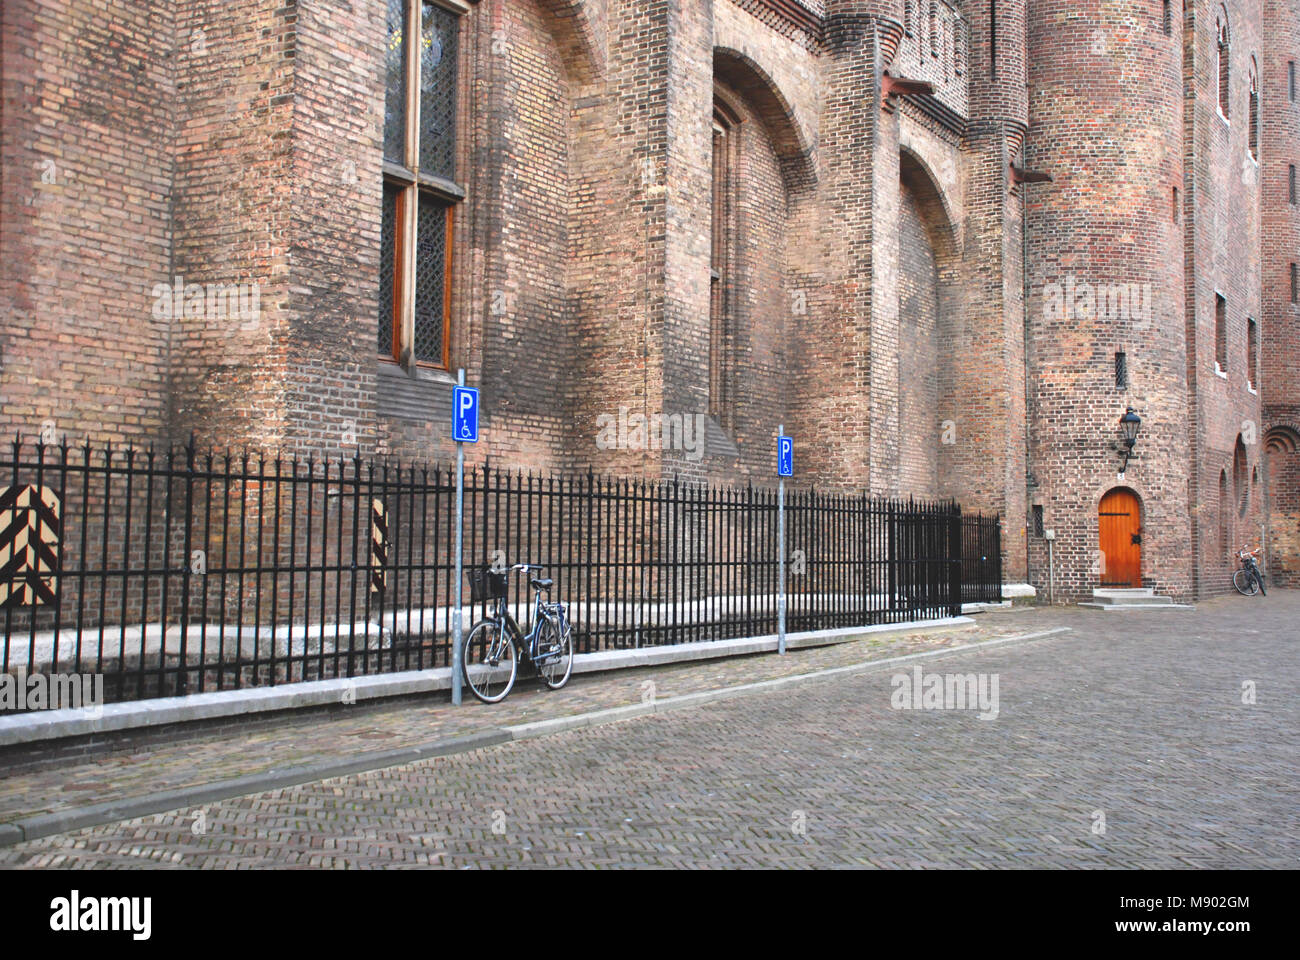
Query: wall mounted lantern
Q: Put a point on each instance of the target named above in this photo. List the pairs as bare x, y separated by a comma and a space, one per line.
1129, 424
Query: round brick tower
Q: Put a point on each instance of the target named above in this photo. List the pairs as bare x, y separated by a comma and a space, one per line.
1105, 324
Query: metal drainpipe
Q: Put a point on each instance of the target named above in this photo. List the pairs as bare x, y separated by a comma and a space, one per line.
1051, 575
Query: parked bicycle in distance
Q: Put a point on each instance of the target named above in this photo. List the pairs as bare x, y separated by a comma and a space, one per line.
492, 650
1249, 580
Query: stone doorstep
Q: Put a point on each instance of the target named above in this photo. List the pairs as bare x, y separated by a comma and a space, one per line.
1131, 598
1123, 607
58, 724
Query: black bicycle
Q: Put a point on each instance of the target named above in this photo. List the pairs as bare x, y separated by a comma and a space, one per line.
491, 653
1249, 580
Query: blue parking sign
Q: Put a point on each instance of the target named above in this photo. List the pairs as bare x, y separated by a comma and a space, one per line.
784, 457
464, 415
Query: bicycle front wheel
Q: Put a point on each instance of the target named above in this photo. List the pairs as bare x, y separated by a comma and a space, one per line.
1244, 581
554, 654
488, 662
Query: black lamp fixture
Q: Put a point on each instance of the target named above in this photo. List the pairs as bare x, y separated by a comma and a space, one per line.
1129, 424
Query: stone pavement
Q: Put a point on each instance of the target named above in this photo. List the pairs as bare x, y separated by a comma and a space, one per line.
218, 756
1123, 743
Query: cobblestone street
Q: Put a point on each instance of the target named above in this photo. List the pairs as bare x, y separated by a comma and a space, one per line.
1124, 742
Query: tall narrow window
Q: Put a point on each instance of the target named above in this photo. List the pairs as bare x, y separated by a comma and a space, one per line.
724, 146
1290, 182
1290, 80
1038, 520
1121, 371
1295, 284
420, 189
1176, 211
1252, 353
1220, 333
993, 39
1253, 138
1168, 19
1224, 63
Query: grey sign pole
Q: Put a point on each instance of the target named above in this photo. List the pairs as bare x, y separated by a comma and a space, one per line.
460, 559
780, 559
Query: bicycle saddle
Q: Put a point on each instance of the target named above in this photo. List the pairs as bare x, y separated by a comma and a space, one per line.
543, 584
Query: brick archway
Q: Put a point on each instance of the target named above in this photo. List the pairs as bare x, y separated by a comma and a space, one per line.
927, 306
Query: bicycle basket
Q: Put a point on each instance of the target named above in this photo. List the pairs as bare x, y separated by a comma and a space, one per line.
486, 584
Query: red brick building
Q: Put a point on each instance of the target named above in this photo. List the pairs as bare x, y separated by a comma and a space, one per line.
287, 224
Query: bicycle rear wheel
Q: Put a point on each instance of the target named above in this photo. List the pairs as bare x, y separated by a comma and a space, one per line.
488, 662
1244, 581
554, 654
1259, 578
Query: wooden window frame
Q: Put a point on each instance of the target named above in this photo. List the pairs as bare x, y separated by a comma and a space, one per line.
415, 185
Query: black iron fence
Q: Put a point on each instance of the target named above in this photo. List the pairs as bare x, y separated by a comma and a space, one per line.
981, 560
173, 573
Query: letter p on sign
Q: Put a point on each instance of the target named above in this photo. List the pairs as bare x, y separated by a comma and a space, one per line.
464, 416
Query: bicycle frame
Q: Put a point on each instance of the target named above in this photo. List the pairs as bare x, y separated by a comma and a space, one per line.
505, 621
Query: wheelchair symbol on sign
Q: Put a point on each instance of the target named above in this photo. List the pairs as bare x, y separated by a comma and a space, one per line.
464, 420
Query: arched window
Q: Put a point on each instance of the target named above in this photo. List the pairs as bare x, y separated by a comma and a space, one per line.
1224, 60
1239, 481
725, 125
1224, 517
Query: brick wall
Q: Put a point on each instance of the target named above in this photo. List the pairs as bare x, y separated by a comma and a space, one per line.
86, 142
1280, 325
1105, 221
1223, 224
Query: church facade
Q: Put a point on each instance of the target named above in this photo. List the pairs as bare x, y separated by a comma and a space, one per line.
946, 245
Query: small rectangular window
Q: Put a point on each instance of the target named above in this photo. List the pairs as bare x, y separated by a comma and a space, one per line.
1121, 371
1290, 80
1177, 210
1168, 18
1295, 284
1038, 519
1290, 182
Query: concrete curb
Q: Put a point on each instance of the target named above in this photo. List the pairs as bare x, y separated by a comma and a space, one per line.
137, 714
113, 811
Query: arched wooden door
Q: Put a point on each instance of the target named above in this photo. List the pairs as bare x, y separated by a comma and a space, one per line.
1121, 539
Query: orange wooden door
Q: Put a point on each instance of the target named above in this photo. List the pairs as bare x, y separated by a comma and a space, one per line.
1121, 539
